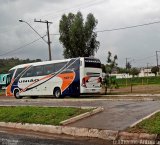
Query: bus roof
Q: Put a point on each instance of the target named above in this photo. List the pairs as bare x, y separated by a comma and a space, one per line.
39, 63
46, 62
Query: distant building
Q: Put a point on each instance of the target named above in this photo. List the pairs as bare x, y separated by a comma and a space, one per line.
146, 72
121, 76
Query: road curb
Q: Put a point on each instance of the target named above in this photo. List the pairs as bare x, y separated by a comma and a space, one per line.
136, 136
81, 116
73, 131
82, 132
82, 100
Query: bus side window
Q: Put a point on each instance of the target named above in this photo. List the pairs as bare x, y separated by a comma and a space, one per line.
28, 73
18, 72
75, 65
38, 71
48, 69
59, 66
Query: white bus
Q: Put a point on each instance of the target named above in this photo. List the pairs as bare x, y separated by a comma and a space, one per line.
69, 77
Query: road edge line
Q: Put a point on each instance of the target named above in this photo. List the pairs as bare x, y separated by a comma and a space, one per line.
146, 117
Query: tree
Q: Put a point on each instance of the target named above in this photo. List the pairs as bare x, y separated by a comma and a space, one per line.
134, 71
111, 63
155, 70
6, 64
78, 38
103, 68
121, 70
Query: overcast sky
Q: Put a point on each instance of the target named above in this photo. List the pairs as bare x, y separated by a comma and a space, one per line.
139, 45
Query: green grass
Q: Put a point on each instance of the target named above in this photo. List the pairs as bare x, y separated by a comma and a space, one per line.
38, 115
2, 92
150, 125
138, 81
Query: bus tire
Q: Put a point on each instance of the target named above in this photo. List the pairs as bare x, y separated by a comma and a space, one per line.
34, 97
75, 96
57, 93
16, 94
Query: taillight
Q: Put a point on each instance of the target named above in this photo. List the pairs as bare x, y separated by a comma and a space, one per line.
84, 82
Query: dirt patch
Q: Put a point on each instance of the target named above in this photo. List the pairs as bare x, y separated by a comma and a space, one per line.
140, 89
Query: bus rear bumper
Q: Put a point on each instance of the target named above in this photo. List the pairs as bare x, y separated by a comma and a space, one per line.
91, 90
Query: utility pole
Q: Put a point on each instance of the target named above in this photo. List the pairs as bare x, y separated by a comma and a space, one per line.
157, 57
157, 60
127, 63
147, 69
126, 71
49, 42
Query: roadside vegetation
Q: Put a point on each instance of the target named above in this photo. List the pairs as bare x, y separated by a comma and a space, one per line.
2, 92
150, 125
141, 85
6, 64
38, 115
155, 80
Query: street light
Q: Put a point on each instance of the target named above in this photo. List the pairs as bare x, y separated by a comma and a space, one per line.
20, 20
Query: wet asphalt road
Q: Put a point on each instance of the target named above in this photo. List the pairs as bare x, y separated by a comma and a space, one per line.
117, 115
10, 136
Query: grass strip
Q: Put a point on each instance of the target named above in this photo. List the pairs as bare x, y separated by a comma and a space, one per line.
150, 125
38, 115
2, 92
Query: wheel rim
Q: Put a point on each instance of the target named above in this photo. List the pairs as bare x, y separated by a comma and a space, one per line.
57, 93
17, 94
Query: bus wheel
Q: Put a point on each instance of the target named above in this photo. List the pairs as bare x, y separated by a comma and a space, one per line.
57, 93
16, 94
34, 97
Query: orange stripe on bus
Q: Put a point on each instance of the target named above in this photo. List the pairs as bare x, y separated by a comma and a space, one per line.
46, 77
8, 89
67, 80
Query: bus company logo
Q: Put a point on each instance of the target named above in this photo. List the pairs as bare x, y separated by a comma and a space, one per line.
28, 81
68, 77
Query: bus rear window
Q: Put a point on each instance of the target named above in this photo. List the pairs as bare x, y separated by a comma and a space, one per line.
94, 63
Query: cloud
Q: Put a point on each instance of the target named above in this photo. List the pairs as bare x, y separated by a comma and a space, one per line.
134, 43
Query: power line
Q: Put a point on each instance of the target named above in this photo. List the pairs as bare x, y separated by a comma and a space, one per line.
141, 59
123, 28
11, 51
80, 6
129, 27
101, 31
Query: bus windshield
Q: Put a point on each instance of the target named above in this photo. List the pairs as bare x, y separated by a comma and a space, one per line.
11, 72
